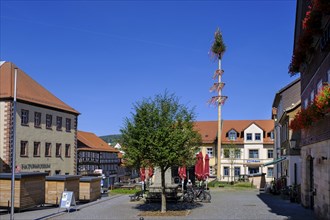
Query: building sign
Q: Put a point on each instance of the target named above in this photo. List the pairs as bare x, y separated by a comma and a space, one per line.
253, 161
35, 166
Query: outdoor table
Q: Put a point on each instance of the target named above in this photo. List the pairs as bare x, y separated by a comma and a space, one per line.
89, 188
29, 190
56, 185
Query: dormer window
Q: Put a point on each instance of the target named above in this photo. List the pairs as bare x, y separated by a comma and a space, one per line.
257, 136
249, 136
232, 135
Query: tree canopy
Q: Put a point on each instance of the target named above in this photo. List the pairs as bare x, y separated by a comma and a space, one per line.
160, 133
218, 47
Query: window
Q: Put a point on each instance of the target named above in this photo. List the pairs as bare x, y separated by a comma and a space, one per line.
305, 103
24, 117
68, 124
253, 170
49, 121
312, 96
237, 153
232, 135
272, 135
257, 136
36, 149
58, 150
237, 171
249, 136
226, 171
24, 148
270, 154
209, 151
226, 153
253, 154
211, 170
319, 86
67, 150
270, 171
48, 150
37, 119
59, 123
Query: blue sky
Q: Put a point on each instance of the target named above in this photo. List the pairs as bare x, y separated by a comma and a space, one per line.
101, 57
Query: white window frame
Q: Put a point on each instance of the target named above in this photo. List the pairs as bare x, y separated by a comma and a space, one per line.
232, 135
247, 135
270, 170
254, 154
312, 96
226, 171
319, 86
305, 103
270, 151
209, 151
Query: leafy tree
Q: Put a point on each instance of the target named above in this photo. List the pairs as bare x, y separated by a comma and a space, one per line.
232, 152
161, 134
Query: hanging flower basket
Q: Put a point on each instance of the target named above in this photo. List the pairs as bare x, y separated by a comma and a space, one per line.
322, 100
305, 118
312, 26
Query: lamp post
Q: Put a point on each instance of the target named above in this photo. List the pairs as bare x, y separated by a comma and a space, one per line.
13, 144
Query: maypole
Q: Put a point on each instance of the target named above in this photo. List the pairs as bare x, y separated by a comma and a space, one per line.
217, 50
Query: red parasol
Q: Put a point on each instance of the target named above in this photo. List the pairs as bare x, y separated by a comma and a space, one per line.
182, 172
151, 171
199, 167
206, 166
142, 174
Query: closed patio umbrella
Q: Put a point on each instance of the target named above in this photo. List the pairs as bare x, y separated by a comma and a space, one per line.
142, 176
199, 166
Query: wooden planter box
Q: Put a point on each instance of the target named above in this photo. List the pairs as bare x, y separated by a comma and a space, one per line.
89, 188
56, 185
29, 190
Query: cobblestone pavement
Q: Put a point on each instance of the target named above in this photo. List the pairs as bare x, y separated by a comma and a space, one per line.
225, 204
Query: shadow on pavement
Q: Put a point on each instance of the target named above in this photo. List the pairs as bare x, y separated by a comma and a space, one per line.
170, 206
293, 211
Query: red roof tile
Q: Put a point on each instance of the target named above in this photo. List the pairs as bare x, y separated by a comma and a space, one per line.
93, 142
209, 129
28, 89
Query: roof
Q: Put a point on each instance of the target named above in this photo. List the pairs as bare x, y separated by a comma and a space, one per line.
27, 89
278, 94
91, 142
240, 125
209, 129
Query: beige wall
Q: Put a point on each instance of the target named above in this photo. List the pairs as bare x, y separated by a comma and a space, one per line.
5, 108
321, 177
32, 134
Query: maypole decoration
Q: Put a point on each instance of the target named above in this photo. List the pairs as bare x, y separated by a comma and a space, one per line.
217, 50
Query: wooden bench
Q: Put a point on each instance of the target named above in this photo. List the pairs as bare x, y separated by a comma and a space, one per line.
136, 196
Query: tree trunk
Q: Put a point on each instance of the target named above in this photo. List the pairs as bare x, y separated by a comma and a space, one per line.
163, 205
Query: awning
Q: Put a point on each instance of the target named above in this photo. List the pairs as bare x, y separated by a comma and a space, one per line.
274, 161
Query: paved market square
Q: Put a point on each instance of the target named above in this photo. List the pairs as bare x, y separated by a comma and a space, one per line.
225, 204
